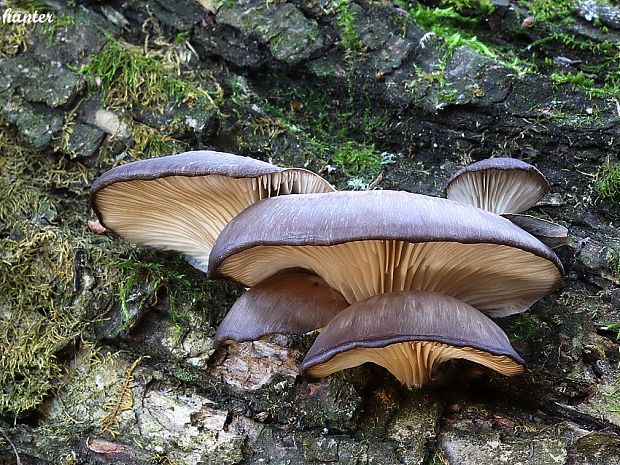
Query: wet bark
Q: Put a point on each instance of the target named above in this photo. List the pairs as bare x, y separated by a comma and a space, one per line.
134, 375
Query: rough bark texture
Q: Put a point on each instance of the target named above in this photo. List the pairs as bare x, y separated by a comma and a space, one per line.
106, 350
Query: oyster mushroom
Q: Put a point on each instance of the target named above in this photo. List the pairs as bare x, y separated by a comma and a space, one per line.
498, 185
368, 243
182, 202
289, 303
507, 186
552, 234
410, 333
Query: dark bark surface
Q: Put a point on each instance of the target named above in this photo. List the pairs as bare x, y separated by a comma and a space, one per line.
106, 350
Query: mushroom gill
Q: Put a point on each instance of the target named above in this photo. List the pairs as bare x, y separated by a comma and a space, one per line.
288, 303
498, 185
363, 244
182, 202
411, 333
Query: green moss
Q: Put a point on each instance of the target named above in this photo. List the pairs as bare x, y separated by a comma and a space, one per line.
37, 319
601, 61
439, 20
156, 275
346, 23
358, 159
448, 96
59, 23
528, 327
578, 79
151, 142
614, 395
481, 6
132, 78
607, 182
53, 271
188, 375
147, 278
19, 199
615, 327
438, 458
13, 38
181, 37
548, 10
458, 30
612, 257
331, 132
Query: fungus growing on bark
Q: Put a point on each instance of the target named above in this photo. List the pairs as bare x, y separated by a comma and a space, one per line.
410, 333
498, 185
182, 202
288, 303
507, 186
549, 233
368, 243
411, 267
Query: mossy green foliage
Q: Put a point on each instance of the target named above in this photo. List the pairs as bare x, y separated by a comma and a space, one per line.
614, 395
463, 22
346, 23
12, 38
131, 78
613, 261
578, 79
599, 73
457, 29
357, 158
171, 276
480, 6
438, 458
13, 35
598, 59
36, 318
150, 142
59, 23
528, 327
548, 10
608, 182
615, 327
39, 312
332, 130
59, 280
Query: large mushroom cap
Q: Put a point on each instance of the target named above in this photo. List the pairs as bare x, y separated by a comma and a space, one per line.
290, 303
368, 243
498, 185
182, 202
410, 333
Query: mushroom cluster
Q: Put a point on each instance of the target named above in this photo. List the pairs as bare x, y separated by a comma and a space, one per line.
403, 280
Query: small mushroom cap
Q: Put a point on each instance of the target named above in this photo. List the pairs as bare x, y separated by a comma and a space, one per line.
288, 303
182, 202
368, 243
498, 185
549, 233
410, 333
